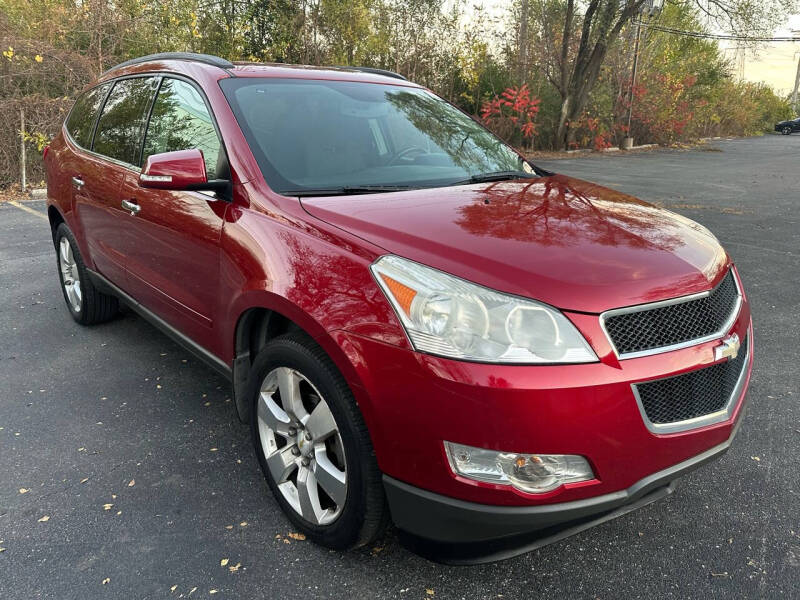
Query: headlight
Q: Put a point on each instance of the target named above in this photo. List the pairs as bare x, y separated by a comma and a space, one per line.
451, 317
532, 473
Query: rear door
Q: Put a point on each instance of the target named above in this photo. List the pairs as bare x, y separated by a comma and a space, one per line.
115, 151
91, 187
173, 266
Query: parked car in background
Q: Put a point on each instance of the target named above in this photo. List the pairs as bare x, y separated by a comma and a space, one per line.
418, 324
788, 127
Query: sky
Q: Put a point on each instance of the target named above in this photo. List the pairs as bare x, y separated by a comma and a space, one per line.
773, 64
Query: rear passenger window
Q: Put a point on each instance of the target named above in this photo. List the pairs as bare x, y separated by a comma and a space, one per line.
80, 123
181, 121
121, 126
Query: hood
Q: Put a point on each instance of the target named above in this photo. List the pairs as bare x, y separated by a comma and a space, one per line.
574, 245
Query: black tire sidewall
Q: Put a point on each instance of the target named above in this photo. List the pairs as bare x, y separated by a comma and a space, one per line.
296, 353
63, 232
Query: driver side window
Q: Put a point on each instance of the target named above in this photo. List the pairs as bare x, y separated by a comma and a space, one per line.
181, 121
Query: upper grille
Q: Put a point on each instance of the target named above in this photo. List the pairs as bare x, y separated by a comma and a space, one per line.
694, 394
676, 322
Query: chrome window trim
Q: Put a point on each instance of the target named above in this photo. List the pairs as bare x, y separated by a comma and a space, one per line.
680, 300
710, 419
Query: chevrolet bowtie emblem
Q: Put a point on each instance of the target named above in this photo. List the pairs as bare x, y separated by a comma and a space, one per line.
729, 348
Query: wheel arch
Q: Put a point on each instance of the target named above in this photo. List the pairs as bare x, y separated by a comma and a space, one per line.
268, 315
56, 218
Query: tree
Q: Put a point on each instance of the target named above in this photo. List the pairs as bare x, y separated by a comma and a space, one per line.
591, 27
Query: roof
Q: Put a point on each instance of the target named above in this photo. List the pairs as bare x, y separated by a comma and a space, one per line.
248, 69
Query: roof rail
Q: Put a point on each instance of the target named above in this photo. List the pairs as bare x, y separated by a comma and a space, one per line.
376, 72
207, 59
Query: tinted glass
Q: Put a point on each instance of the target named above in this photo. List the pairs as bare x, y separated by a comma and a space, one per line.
84, 114
314, 135
180, 121
121, 125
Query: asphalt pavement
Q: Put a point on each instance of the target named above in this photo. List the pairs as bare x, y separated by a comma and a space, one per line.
124, 472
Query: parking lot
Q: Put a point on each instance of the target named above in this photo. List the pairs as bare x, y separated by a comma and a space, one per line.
124, 472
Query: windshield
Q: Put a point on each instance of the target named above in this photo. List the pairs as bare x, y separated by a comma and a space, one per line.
338, 136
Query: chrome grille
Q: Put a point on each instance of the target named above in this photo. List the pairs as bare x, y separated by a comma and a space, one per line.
686, 399
675, 323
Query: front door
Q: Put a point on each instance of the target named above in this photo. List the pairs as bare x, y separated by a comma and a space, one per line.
173, 262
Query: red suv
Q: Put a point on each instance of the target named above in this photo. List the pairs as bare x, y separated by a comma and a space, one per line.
417, 323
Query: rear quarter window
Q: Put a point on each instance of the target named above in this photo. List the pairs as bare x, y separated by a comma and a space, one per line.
83, 115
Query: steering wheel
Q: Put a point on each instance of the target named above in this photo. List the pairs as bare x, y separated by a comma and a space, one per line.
404, 153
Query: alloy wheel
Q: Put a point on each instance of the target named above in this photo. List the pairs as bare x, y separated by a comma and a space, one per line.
70, 276
302, 446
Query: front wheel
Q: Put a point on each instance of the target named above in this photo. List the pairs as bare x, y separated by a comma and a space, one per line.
787, 131
313, 445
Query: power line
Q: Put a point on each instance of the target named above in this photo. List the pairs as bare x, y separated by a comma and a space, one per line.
715, 36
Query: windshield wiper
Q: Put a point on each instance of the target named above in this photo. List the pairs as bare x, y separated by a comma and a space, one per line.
496, 176
347, 190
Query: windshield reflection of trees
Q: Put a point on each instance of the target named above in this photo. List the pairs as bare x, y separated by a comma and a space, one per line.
467, 144
552, 212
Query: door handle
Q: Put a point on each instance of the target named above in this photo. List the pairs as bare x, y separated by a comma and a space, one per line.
131, 206
77, 182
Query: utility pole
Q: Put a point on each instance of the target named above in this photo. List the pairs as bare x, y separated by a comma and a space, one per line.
796, 78
22, 147
796, 85
651, 8
522, 72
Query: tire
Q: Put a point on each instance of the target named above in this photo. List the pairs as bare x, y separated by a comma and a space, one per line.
787, 131
86, 304
362, 514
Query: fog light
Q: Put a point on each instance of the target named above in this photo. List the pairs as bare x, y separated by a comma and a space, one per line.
532, 473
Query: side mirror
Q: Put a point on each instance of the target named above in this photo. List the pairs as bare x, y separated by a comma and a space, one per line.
178, 170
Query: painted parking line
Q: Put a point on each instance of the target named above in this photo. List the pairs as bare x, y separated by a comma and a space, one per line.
27, 209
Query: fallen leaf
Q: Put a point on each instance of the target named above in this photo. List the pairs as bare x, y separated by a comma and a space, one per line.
84, 480
44, 519
214, 449
430, 592
234, 568
243, 524
119, 512
228, 526
756, 458
106, 580
23, 491
296, 536
173, 588
132, 483
107, 506
192, 591
223, 562
212, 591
285, 541
113, 496
2, 549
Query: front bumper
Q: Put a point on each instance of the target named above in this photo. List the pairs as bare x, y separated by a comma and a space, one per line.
458, 532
